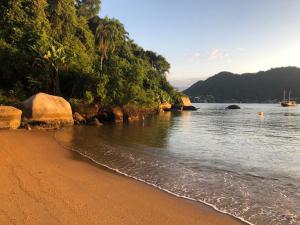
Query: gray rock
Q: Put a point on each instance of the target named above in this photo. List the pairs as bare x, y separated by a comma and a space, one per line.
233, 107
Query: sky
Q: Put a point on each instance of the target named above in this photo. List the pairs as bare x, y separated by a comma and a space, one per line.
201, 38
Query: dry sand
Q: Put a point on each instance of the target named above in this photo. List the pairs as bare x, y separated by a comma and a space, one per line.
43, 183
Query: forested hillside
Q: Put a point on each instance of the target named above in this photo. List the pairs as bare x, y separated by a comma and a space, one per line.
265, 86
63, 47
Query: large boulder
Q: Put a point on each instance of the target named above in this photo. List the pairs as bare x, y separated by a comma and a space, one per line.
186, 104
47, 109
186, 101
10, 117
166, 106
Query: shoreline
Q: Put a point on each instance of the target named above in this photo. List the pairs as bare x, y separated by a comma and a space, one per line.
119, 173
40, 178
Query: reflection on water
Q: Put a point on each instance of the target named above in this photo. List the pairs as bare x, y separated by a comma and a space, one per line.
234, 160
152, 132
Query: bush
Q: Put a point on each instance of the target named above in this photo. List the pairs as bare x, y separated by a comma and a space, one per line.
89, 97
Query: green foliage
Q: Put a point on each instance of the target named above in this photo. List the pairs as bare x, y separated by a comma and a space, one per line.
53, 60
24, 24
23, 33
109, 34
101, 91
73, 33
89, 98
64, 47
3, 98
88, 8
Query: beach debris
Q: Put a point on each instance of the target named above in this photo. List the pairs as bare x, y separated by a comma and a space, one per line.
27, 127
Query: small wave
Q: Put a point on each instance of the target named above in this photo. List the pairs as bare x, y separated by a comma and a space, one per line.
291, 114
261, 177
151, 184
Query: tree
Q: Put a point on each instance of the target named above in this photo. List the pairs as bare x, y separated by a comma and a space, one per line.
54, 59
24, 24
109, 34
24, 31
73, 33
65, 48
88, 8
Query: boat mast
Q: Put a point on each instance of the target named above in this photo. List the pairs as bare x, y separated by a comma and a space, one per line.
284, 95
290, 95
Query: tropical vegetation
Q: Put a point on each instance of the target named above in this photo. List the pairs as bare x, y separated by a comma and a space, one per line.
63, 47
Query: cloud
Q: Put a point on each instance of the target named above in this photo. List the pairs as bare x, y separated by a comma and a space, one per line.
215, 54
241, 49
184, 83
197, 55
218, 54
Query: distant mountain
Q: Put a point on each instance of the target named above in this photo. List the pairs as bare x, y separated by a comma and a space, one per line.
264, 86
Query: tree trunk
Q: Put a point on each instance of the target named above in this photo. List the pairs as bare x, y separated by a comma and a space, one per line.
101, 63
55, 82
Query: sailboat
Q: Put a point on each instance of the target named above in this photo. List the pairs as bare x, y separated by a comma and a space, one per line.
289, 102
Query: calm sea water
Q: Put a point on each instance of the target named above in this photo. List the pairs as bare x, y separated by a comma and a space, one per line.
236, 161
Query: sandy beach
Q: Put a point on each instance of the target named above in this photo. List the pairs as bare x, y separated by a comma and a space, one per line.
43, 183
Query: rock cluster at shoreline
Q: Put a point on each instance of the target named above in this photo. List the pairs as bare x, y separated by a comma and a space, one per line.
48, 111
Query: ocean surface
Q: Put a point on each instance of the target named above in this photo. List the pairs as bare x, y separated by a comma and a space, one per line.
233, 160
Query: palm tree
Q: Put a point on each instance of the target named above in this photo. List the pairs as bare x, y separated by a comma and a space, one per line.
109, 33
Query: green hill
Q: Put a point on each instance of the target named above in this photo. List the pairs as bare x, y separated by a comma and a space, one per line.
264, 86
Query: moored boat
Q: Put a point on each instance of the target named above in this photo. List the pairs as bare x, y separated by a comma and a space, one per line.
289, 102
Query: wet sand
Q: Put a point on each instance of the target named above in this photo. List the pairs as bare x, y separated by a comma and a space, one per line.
43, 183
